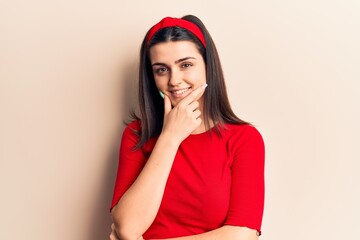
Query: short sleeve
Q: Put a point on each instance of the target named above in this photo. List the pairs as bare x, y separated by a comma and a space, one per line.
247, 179
130, 163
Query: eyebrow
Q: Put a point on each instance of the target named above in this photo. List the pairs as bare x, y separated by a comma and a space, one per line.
176, 62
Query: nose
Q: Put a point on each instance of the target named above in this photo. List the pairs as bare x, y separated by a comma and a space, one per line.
175, 78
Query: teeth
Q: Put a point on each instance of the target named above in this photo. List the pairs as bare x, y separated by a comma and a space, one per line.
179, 92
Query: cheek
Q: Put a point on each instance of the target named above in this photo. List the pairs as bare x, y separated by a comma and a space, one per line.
196, 77
160, 83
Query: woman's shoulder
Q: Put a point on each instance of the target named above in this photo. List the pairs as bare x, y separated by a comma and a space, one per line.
238, 132
244, 139
134, 125
239, 128
132, 130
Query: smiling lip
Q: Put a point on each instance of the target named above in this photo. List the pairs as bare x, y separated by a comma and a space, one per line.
179, 92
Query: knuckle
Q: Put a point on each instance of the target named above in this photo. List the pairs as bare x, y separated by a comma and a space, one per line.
181, 106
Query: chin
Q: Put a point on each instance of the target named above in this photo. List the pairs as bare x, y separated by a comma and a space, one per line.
174, 103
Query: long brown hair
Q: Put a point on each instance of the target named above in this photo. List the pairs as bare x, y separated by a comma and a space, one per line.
216, 103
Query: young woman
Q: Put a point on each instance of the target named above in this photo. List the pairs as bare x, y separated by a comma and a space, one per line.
189, 168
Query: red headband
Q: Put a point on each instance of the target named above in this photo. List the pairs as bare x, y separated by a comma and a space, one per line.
178, 22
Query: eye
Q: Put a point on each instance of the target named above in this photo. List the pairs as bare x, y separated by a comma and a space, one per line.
186, 65
161, 70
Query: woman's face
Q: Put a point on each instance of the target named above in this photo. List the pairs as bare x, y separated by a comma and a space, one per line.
178, 69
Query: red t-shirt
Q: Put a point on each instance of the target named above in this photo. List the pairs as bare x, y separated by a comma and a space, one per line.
214, 181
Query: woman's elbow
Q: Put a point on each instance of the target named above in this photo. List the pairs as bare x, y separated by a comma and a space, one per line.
125, 232
123, 229
241, 233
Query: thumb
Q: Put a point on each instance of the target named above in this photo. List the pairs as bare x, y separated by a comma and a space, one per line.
167, 105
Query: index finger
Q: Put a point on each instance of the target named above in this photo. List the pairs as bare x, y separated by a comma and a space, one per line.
194, 95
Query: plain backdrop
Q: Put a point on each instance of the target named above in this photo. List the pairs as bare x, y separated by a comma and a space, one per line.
68, 72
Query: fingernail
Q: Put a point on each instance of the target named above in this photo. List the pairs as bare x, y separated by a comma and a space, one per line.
204, 86
161, 94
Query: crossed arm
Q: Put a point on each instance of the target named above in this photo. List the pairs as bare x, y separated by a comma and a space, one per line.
138, 206
225, 232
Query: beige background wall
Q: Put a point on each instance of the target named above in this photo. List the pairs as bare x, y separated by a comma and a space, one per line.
67, 71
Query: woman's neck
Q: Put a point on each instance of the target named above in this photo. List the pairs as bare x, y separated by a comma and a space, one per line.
202, 127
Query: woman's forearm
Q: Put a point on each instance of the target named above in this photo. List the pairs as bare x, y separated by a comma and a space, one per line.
226, 232
137, 208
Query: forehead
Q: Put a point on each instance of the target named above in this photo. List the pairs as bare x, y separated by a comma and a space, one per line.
173, 50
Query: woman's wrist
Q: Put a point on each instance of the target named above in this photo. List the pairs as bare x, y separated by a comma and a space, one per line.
169, 139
